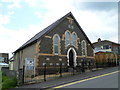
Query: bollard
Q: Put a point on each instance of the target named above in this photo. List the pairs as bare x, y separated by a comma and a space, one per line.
83, 69
45, 72
60, 69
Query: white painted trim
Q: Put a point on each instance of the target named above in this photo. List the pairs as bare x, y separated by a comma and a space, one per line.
74, 56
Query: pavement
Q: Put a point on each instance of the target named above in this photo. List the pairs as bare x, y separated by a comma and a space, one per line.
68, 79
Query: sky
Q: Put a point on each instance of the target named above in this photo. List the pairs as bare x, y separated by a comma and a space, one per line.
22, 19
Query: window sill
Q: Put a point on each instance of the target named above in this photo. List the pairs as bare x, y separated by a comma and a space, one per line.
56, 54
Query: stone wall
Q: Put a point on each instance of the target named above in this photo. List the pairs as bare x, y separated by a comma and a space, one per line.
9, 73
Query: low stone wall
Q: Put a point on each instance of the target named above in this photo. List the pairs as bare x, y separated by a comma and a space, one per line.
17, 74
9, 73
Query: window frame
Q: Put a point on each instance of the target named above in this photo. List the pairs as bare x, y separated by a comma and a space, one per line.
75, 39
85, 48
58, 44
67, 38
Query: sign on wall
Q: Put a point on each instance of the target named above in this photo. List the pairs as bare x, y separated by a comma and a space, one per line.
29, 63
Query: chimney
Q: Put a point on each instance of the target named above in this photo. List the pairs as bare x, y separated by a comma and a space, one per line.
99, 39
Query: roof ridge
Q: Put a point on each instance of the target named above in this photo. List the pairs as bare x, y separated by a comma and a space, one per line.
105, 41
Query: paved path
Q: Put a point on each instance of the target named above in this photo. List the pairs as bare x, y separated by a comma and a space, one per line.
65, 80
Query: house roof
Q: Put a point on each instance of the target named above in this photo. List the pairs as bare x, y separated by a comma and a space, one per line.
48, 29
105, 41
101, 52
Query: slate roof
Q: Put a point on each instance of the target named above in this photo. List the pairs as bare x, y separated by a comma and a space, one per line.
105, 41
48, 29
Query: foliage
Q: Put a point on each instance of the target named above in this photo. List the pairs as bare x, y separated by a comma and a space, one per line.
8, 82
0, 80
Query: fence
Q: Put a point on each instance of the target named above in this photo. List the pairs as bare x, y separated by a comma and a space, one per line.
106, 59
45, 72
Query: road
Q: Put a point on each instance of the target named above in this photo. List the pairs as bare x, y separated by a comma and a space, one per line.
109, 80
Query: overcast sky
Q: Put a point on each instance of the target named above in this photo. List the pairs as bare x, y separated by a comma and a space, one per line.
22, 19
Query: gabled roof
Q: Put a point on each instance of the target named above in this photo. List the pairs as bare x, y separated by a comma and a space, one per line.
48, 29
105, 41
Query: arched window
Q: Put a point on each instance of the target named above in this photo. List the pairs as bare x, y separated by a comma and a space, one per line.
74, 39
67, 38
83, 44
56, 40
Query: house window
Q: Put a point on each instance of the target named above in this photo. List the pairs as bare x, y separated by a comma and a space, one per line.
83, 44
115, 50
56, 41
67, 38
74, 39
106, 47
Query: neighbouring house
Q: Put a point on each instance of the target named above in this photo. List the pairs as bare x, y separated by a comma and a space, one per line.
106, 52
4, 59
106, 46
64, 41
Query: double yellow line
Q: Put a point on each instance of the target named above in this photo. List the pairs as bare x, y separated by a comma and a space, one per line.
85, 80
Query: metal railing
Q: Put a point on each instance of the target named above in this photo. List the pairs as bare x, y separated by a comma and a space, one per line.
46, 72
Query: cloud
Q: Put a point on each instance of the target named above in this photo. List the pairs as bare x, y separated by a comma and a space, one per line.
32, 3
55, 10
38, 14
96, 6
14, 3
13, 39
4, 19
99, 25
11, 12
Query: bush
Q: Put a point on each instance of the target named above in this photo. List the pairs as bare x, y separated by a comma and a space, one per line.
8, 82
3, 74
0, 80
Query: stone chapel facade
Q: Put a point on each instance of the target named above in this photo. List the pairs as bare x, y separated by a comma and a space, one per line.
64, 41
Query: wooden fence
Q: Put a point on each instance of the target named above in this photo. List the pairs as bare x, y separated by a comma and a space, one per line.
106, 59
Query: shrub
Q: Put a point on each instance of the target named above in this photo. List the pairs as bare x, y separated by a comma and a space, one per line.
8, 82
0, 80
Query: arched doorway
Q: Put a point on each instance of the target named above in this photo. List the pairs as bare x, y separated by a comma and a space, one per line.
71, 55
71, 58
